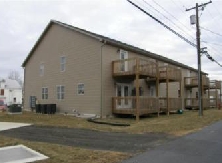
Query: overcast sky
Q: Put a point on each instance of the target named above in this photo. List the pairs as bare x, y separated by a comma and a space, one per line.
22, 22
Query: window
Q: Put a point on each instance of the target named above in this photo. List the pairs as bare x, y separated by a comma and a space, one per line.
41, 69
44, 93
62, 63
2, 92
152, 92
124, 62
60, 92
81, 89
179, 93
196, 94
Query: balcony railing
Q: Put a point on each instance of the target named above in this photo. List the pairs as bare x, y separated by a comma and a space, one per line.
127, 105
174, 104
215, 84
169, 72
193, 103
193, 81
214, 102
132, 66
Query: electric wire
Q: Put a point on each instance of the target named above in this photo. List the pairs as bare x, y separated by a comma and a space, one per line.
161, 23
211, 31
174, 18
173, 31
184, 32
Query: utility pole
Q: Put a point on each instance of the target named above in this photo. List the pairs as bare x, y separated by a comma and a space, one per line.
200, 100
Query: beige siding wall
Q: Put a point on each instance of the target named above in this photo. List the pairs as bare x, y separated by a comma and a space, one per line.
173, 88
82, 66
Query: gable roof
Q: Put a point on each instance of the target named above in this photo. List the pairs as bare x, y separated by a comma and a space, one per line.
10, 84
109, 41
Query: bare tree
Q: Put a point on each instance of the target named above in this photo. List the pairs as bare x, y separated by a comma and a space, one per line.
14, 75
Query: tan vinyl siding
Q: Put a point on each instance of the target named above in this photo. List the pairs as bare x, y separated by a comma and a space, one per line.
173, 88
82, 66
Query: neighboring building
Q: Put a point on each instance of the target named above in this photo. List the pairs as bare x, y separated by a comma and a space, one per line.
10, 91
215, 93
84, 72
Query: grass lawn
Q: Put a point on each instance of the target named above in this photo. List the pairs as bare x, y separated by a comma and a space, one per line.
175, 124
66, 154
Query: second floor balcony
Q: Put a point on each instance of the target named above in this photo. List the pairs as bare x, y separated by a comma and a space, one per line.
128, 68
170, 73
192, 82
215, 84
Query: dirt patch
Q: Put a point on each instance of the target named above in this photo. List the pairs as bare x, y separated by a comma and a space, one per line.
90, 139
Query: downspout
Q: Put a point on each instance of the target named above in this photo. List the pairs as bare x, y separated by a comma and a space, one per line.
23, 88
101, 77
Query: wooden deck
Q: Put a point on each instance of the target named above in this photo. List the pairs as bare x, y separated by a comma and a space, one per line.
192, 103
128, 68
169, 72
192, 82
215, 84
214, 102
127, 105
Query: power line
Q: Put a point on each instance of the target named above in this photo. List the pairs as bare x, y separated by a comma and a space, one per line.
174, 18
217, 10
173, 31
167, 19
211, 31
211, 58
211, 43
167, 27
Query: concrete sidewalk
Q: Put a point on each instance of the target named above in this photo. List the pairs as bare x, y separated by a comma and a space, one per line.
11, 125
204, 146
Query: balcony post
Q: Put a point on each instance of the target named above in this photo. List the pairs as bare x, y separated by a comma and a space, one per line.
167, 91
137, 90
157, 79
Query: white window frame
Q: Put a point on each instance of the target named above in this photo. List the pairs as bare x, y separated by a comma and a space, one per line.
81, 90
41, 69
60, 93
62, 63
123, 54
45, 93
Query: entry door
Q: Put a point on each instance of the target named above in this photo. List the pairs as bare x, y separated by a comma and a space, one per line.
124, 91
124, 64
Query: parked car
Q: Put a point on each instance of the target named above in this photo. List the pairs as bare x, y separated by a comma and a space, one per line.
2, 105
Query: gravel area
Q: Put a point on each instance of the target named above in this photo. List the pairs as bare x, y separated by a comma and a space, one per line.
122, 142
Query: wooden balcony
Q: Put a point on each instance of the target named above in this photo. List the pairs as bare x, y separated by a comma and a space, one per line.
173, 104
192, 82
192, 103
214, 102
128, 68
169, 72
127, 105
215, 84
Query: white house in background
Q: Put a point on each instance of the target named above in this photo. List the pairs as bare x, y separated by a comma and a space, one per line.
10, 91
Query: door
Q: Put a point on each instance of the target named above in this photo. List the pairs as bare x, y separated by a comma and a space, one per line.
124, 62
124, 91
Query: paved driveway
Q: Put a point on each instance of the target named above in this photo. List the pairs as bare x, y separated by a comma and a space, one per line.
123, 142
204, 146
